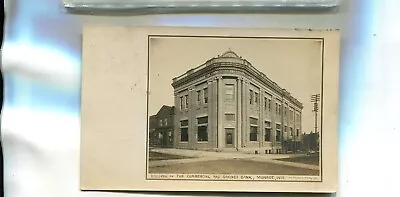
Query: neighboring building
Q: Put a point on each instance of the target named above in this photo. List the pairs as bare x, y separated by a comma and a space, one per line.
227, 103
311, 141
161, 128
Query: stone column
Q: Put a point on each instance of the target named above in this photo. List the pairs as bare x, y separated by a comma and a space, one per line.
213, 96
210, 128
176, 121
273, 123
220, 114
192, 118
245, 108
261, 117
239, 94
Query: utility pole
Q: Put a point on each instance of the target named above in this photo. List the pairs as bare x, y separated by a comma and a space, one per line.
315, 99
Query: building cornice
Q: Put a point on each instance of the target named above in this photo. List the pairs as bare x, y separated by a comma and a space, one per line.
242, 67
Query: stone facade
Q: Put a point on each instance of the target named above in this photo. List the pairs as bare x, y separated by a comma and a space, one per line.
228, 104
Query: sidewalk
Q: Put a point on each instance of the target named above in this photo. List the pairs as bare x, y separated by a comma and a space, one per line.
208, 156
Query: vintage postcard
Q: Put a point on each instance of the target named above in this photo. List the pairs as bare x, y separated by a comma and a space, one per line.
209, 109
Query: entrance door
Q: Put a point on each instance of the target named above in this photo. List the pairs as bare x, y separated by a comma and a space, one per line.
229, 137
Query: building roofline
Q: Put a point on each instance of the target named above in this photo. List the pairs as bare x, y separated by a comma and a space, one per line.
248, 67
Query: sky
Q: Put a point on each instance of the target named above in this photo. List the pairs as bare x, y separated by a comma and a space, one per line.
293, 64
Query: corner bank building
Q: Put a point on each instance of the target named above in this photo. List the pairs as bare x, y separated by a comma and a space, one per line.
226, 103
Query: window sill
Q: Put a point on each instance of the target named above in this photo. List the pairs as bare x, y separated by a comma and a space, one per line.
202, 142
183, 142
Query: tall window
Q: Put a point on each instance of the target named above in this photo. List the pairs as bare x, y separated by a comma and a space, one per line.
279, 109
265, 103
160, 121
166, 122
256, 98
291, 131
278, 132
251, 96
186, 101
285, 130
269, 104
293, 116
253, 129
202, 133
267, 136
229, 92
170, 137
285, 111
181, 101
205, 96
297, 132
184, 130
198, 96
253, 133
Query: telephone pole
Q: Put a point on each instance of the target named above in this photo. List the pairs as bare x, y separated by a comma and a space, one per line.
315, 98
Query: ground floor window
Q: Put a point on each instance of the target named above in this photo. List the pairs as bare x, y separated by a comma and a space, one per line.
184, 135
170, 138
202, 134
267, 136
278, 135
253, 133
184, 130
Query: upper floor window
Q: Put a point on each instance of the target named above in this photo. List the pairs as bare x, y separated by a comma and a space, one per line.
229, 92
198, 96
251, 96
269, 104
265, 103
166, 122
205, 96
256, 98
202, 120
268, 124
293, 116
184, 123
186, 101
279, 109
254, 121
160, 122
181, 102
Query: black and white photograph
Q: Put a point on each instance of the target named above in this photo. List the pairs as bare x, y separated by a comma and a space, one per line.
235, 108
209, 109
